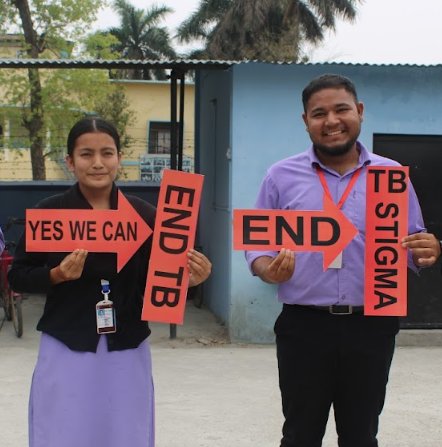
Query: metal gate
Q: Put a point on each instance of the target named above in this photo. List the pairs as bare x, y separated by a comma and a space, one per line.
423, 154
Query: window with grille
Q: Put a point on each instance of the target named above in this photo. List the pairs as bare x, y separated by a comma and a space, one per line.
159, 137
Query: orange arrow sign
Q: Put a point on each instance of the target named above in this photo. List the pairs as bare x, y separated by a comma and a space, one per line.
328, 231
175, 228
120, 231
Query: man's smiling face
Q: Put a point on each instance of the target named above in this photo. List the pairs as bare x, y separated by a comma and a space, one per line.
333, 119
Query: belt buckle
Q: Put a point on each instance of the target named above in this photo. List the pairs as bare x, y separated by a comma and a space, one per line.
332, 310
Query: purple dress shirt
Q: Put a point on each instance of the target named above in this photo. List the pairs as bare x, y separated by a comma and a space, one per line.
293, 183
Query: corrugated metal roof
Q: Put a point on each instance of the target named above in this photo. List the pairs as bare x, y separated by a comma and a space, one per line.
367, 64
185, 64
347, 64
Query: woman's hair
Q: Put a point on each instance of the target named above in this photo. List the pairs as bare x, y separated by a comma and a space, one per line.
91, 125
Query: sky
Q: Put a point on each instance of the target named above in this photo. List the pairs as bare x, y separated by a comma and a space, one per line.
385, 31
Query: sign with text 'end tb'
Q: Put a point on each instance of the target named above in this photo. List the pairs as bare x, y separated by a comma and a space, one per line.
386, 225
174, 235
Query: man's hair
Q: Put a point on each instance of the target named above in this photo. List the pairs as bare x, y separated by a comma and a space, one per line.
327, 81
91, 125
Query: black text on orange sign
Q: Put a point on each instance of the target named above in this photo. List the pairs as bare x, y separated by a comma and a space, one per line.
85, 230
386, 259
173, 240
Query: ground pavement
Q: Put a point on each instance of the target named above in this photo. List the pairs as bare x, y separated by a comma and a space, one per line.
210, 393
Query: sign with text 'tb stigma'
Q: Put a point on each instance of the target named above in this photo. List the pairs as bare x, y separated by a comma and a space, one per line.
386, 225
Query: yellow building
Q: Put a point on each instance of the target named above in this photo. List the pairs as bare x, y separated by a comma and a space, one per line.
149, 154
150, 132
11, 45
15, 157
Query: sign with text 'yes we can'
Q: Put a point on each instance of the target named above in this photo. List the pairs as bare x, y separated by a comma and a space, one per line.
386, 225
120, 231
174, 235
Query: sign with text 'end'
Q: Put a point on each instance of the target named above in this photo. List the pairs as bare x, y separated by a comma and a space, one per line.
327, 231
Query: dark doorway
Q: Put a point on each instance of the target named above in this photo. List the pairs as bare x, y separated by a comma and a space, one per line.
423, 154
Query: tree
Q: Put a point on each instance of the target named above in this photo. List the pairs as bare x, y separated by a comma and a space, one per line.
140, 37
47, 28
66, 96
114, 107
102, 45
262, 29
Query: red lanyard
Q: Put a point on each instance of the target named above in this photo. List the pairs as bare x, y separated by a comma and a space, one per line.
348, 189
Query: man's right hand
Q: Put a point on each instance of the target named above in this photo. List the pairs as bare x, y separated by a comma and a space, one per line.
275, 270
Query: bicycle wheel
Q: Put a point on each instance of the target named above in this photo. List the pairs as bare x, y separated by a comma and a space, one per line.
16, 314
6, 300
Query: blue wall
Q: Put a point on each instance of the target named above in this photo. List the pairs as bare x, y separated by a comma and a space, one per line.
213, 110
265, 125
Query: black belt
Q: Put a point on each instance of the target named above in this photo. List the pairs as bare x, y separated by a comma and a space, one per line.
336, 309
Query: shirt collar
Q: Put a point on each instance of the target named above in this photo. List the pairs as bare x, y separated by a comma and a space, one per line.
78, 198
365, 157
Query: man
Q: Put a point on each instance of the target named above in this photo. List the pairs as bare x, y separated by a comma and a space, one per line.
328, 352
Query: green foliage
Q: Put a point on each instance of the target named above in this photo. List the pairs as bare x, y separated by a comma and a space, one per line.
55, 19
102, 45
115, 108
7, 15
18, 135
50, 101
262, 29
140, 37
66, 96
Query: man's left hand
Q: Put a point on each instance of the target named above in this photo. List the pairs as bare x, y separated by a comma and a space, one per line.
424, 247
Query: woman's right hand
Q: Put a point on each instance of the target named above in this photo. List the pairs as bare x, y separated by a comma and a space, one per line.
70, 268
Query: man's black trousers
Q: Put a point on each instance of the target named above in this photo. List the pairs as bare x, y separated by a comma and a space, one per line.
339, 360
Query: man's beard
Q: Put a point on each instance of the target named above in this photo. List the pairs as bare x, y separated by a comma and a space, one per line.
335, 151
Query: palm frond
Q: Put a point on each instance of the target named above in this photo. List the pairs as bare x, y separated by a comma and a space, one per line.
237, 29
202, 20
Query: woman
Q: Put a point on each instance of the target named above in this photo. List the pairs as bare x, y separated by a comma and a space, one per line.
88, 389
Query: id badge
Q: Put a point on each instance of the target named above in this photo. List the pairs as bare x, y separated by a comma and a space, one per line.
105, 313
337, 263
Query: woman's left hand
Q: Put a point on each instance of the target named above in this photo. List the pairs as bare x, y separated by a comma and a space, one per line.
199, 267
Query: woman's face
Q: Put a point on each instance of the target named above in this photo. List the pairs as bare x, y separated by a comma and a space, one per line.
94, 161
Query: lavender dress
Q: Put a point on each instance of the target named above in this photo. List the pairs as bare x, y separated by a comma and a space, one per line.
85, 399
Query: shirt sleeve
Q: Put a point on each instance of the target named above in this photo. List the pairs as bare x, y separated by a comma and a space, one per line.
415, 222
268, 198
29, 272
2, 241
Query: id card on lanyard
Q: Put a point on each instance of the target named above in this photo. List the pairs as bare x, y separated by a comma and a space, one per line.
105, 312
337, 263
